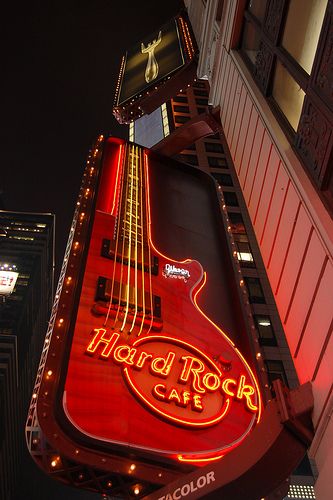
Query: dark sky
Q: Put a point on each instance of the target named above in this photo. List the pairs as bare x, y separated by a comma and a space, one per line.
59, 66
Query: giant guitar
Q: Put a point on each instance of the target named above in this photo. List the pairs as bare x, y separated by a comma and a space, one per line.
132, 365
159, 376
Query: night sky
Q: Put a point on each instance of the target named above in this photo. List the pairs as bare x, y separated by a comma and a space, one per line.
59, 63
59, 67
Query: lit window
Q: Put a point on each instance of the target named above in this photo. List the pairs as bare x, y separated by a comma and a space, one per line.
288, 51
288, 95
265, 329
301, 43
131, 132
244, 253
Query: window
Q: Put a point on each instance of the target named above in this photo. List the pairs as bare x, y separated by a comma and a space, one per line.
275, 370
214, 161
202, 102
199, 85
180, 98
201, 110
265, 330
181, 109
191, 159
201, 93
244, 254
236, 223
256, 295
223, 179
230, 198
181, 119
291, 68
191, 147
214, 147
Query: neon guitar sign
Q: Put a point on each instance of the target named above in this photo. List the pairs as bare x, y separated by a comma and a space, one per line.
147, 368
195, 378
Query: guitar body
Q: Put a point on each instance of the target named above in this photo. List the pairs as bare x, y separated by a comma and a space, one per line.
148, 372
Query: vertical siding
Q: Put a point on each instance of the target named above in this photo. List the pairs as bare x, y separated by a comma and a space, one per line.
253, 160
239, 118
298, 265
244, 121
256, 181
304, 293
248, 145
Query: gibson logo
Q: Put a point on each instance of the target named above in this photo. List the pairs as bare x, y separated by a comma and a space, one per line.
171, 271
175, 379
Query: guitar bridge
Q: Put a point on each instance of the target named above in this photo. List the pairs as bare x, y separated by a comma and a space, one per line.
135, 302
108, 251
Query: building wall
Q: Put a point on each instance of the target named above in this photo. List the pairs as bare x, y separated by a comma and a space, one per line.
27, 241
292, 226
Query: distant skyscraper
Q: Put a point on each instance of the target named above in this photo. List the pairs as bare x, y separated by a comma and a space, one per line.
26, 249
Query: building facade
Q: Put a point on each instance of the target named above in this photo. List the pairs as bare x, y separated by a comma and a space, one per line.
268, 66
27, 247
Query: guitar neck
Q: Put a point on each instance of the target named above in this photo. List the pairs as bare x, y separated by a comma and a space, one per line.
132, 217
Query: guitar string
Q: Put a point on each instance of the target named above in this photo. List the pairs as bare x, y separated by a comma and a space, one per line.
129, 252
142, 248
122, 232
135, 181
145, 165
120, 175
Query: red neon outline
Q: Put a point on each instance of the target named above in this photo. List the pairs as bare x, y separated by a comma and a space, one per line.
250, 372
227, 381
149, 217
223, 383
182, 458
194, 301
167, 338
119, 167
187, 422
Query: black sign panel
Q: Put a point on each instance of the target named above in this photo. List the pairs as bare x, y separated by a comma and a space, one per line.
155, 69
151, 60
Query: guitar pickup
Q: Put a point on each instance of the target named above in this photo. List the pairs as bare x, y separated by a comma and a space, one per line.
144, 309
108, 251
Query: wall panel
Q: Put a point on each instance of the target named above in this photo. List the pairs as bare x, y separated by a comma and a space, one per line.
297, 250
238, 119
266, 194
318, 329
274, 209
233, 108
259, 175
243, 132
254, 159
249, 140
304, 293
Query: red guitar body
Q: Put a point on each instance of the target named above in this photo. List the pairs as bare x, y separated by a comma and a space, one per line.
148, 372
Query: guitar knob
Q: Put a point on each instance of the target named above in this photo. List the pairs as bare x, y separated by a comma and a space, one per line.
224, 361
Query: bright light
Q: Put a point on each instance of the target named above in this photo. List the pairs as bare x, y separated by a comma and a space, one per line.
264, 322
